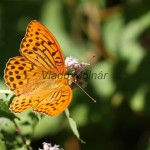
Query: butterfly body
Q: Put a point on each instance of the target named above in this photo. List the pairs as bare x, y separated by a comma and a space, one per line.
41, 53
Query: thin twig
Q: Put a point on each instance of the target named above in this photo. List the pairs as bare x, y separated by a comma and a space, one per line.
21, 136
5, 91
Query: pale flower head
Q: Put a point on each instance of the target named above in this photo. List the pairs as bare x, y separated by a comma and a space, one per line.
73, 67
48, 146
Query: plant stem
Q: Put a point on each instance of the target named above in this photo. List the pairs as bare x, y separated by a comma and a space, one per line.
21, 136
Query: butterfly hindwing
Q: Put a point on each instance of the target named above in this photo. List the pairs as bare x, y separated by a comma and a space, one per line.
22, 103
56, 102
48, 102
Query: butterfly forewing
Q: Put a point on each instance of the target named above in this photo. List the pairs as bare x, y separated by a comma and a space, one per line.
17, 73
41, 48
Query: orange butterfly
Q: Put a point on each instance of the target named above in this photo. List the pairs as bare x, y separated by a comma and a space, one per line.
24, 74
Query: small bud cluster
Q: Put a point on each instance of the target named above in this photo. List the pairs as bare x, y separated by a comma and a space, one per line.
76, 69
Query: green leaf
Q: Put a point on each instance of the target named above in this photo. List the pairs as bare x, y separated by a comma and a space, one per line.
47, 125
5, 112
2, 145
73, 126
23, 148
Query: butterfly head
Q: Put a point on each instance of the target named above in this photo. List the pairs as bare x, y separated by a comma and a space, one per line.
71, 80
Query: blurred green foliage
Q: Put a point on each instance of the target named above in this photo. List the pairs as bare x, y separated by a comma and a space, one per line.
118, 34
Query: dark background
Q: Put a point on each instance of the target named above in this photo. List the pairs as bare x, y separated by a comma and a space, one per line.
117, 32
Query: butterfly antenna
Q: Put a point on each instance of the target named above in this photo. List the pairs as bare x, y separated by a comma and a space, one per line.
85, 92
84, 66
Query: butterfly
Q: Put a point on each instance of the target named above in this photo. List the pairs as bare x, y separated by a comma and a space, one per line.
40, 52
